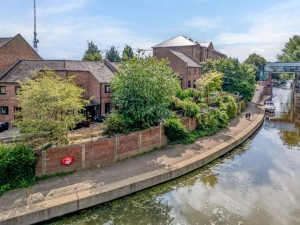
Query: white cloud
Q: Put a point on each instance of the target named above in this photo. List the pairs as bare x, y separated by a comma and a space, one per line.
68, 40
58, 6
204, 23
268, 32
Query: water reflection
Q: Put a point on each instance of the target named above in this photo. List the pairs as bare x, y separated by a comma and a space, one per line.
257, 183
209, 178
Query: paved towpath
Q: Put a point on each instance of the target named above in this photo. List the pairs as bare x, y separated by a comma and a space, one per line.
162, 159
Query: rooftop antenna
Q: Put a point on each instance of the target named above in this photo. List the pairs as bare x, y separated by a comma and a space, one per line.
35, 40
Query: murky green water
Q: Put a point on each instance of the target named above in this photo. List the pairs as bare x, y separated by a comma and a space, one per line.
257, 183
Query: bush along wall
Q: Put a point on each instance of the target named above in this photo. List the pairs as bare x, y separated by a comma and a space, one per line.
17, 167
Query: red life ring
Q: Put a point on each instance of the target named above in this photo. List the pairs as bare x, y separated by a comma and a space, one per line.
67, 160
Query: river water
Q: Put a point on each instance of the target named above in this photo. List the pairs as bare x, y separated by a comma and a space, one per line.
257, 183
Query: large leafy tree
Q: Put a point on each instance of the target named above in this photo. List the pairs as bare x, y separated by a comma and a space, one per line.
127, 53
210, 84
113, 55
92, 53
50, 106
143, 90
256, 60
238, 78
291, 50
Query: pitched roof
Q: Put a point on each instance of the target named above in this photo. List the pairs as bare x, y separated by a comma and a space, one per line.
190, 62
3, 41
100, 71
178, 41
24, 68
206, 44
114, 66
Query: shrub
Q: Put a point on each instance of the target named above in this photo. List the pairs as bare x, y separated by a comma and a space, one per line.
189, 108
189, 94
242, 105
17, 167
116, 124
231, 106
175, 130
222, 118
211, 119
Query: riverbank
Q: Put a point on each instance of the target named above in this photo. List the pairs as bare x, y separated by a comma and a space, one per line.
61, 195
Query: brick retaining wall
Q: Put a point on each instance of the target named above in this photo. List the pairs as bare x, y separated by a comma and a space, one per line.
103, 151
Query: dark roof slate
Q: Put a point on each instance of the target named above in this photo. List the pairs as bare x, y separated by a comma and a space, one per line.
190, 62
3, 41
24, 68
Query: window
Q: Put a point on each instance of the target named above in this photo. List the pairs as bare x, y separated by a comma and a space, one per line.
195, 70
4, 110
189, 83
17, 89
194, 85
107, 88
2, 90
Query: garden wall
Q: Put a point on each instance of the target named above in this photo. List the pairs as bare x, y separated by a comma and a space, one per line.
103, 151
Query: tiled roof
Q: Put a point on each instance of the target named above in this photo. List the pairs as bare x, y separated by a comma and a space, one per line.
190, 62
3, 41
205, 44
100, 71
24, 68
178, 41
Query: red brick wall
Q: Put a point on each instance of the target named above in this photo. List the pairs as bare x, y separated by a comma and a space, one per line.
39, 164
15, 50
128, 145
99, 153
267, 90
54, 159
189, 123
103, 151
150, 139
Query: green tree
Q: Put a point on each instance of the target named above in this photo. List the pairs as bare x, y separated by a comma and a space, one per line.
92, 53
127, 53
291, 50
209, 84
112, 55
50, 106
256, 60
237, 77
143, 90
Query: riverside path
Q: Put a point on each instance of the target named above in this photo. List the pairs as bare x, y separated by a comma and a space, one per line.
65, 194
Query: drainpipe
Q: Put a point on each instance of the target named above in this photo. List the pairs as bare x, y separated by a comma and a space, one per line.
100, 99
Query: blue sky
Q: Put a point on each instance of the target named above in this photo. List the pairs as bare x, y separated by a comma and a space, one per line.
236, 27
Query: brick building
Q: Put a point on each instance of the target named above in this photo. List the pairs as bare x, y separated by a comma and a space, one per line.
14, 49
185, 55
92, 76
